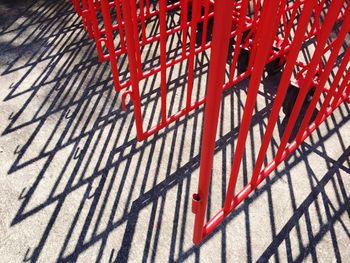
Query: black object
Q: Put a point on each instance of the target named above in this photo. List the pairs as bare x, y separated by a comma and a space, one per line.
274, 67
291, 97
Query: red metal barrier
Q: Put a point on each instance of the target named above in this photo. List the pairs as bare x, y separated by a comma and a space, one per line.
310, 81
191, 48
243, 40
243, 23
123, 28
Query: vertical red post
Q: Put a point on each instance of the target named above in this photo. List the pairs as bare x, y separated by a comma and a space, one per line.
196, 9
110, 42
93, 17
240, 28
133, 66
221, 34
120, 23
184, 17
163, 41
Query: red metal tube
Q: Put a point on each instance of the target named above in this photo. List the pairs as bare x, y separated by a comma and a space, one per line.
133, 67
110, 42
283, 86
325, 73
344, 85
241, 24
183, 26
163, 40
120, 24
265, 36
322, 40
249, 188
221, 35
333, 88
190, 73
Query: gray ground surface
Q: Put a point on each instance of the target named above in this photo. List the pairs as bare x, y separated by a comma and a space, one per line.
76, 186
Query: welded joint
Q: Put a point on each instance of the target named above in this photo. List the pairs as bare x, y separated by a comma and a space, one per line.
299, 82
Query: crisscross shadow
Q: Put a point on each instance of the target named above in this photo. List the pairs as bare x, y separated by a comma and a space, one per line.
99, 195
